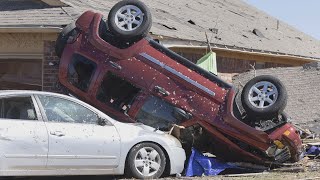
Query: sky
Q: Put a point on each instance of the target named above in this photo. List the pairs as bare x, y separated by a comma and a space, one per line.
301, 14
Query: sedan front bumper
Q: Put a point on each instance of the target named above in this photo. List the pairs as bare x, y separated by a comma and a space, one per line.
177, 158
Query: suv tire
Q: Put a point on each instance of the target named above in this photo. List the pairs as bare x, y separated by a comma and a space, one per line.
63, 38
264, 97
131, 25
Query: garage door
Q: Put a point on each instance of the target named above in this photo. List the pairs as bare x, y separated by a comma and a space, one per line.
21, 74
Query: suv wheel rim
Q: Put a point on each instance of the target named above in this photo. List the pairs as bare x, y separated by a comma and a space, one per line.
263, 94
147, 161
129, 18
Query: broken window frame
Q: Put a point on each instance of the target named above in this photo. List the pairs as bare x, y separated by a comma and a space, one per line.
125, 104
78, 58
150, 106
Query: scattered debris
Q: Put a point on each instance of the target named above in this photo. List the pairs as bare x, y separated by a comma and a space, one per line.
313, 150
304, 133
191, 22
258, 33
313, 65
216, 37
214, 30
245, 174
171, 28
236, 13
176, 131
290, 169
255, 167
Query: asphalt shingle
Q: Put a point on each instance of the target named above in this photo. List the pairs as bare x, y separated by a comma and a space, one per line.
231, 24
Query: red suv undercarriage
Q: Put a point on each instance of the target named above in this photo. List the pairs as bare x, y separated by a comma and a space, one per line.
115, 67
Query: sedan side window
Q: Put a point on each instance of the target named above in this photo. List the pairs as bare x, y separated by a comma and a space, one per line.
18, 108
80, 72
62, 110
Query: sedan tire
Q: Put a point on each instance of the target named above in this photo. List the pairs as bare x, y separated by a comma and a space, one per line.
264, 97
146, 161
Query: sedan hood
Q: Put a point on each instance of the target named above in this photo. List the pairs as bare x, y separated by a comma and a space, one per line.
147, 128
130, 130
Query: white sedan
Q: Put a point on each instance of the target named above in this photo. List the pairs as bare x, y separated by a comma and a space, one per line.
51, 134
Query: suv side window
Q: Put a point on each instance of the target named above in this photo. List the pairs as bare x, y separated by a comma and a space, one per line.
18, 108
62, 110
156, 113
116, 92
80, 72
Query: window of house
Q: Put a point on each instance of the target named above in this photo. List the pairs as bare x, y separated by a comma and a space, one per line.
18, 108
62, 110
23, 74
80, 72
156, 113
116, 92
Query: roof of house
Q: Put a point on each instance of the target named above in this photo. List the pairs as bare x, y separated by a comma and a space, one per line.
231, 24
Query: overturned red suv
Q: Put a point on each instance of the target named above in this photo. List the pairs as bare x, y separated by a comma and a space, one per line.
113, 65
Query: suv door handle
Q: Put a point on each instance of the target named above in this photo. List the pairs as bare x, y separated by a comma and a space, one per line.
161, 90
57, 133
115, 65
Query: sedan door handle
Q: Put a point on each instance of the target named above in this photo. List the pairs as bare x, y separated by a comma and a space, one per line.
57, 133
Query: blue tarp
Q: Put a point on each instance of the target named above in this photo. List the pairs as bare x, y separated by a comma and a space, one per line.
202, 165
314, 150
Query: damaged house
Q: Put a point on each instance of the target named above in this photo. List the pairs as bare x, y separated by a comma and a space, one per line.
240, 35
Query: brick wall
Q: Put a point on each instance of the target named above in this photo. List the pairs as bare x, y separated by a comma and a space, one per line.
50, 68
302, 84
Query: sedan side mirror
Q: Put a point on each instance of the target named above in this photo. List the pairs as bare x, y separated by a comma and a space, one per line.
102, 121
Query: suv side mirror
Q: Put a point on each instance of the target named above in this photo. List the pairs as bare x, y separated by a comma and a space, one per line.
180, 114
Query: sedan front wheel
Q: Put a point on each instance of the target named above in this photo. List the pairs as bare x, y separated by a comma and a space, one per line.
146, 161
